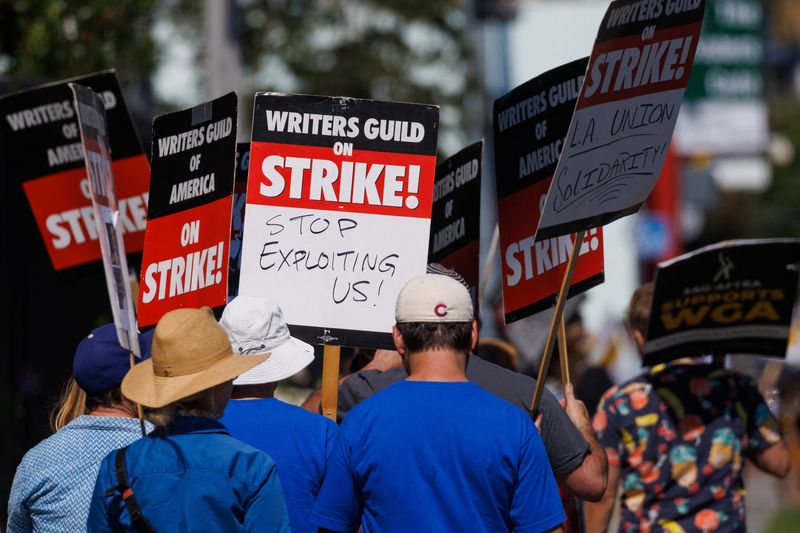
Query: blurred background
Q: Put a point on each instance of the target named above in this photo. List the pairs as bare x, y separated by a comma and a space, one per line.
733, 171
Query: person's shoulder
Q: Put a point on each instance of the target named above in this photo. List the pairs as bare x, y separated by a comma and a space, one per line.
636, 385
301, 416
479, 369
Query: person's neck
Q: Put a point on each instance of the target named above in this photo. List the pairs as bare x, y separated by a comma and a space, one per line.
436, 365
114, 411
254, 392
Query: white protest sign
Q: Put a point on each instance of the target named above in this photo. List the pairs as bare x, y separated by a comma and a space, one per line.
338, 211
97, 150
625, 115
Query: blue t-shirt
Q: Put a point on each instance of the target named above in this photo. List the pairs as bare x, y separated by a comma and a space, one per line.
298, 441
432, 456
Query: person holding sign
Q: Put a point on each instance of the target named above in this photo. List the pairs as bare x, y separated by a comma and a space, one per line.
576, 457
297, 440
189, 474
678, 435
435, 452
52, 488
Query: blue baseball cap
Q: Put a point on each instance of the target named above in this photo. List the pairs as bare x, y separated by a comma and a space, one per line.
100, 362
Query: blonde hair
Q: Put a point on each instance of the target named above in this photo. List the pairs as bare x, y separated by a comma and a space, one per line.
163, 416
71, 404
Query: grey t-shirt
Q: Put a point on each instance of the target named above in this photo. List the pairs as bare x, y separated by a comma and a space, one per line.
565, 445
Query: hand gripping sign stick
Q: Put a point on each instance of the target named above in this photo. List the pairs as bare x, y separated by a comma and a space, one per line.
563, 358
558, 316
330, 376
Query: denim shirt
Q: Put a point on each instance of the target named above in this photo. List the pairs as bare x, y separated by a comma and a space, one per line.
53, 485
192, 476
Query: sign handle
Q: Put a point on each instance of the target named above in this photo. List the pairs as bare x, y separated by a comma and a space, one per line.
563, 358
330, 380
138, 406
558, 314
487, 269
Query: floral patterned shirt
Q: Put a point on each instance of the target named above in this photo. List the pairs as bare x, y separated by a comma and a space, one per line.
680, 433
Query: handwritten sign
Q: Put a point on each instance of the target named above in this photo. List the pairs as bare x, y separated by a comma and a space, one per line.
455, 224
42, 151
186, 251
732, 297
237, 219
625, 115
338, 211
530, 124
97, 154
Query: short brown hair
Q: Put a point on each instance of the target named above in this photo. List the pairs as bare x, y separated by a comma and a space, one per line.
638, 314
421, 336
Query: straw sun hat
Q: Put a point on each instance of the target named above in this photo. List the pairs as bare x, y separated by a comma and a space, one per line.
190, 354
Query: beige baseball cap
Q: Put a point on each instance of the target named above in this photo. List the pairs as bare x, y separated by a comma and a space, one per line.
433, 298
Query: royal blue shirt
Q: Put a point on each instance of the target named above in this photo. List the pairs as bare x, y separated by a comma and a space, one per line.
297, 440
192, 476
432, 456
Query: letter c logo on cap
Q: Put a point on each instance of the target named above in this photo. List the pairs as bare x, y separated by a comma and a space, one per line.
440, 310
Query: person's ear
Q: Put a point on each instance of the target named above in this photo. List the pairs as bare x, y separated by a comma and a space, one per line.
397, 337
474, 336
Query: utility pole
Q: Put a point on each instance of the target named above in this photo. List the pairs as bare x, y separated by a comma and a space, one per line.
223, 56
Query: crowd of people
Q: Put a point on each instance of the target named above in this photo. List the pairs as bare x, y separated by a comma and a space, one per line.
431, 438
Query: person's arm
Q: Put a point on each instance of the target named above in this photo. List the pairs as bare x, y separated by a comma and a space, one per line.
598, 515
765, 445
266, 510
337, 507
314, 401
588, 480
774, 460
19, 516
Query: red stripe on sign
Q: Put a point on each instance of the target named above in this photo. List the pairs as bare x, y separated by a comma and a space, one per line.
629, 67
185, 260
63, 211
312, 177
533, 271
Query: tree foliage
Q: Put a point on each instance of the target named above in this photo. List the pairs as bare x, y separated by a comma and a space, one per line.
401, 50
44, 40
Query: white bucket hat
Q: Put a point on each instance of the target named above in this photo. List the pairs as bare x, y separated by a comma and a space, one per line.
255, 326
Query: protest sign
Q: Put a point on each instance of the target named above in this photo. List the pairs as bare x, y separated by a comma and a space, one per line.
237, 219
731, 297
625, 114
42, 151
186, 249
338, 211
97, 154
456, 217
530, 124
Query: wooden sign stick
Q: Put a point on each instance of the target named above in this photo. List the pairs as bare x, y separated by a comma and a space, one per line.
558, 313
138, 406
563, 358
330, 380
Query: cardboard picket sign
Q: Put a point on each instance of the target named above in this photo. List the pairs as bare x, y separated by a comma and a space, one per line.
530, 124
625, 115
42, 151
731, 297
237, 219
338, 211
455, 221
186, 249
97, 153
